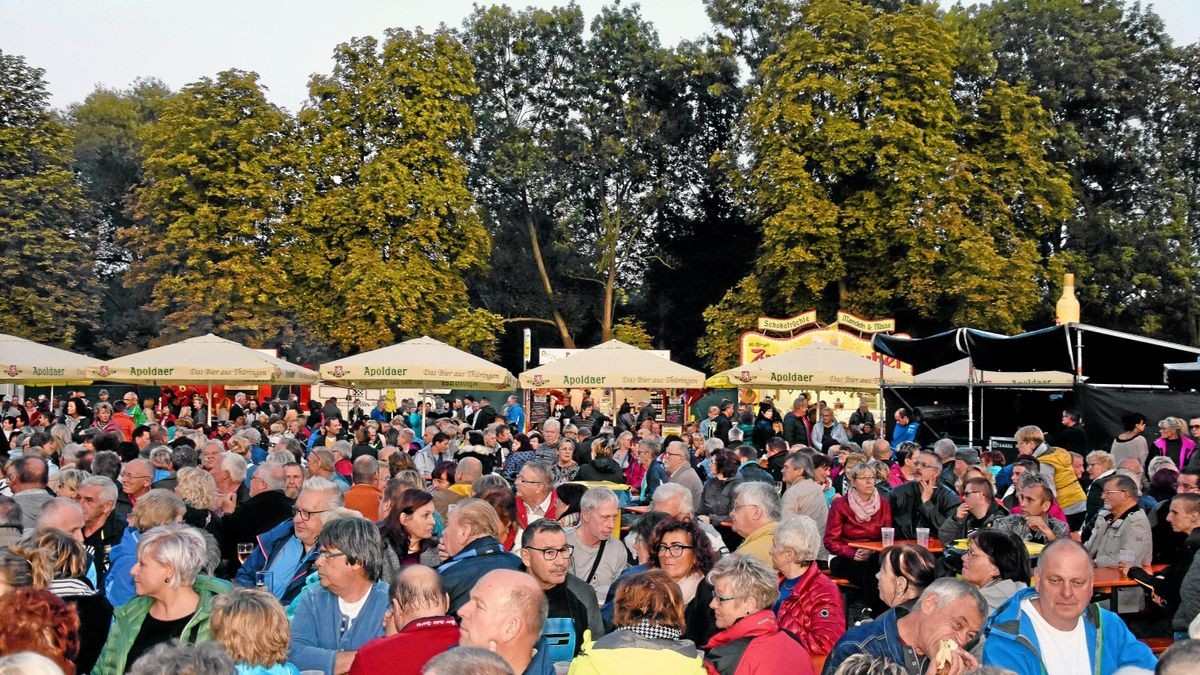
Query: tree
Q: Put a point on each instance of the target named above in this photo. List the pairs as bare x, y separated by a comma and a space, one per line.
386, 231
526, 71
207, 229
44, 253
107, 128
1097, 68
879, 192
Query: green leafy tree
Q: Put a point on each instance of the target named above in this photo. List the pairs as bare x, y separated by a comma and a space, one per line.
1098, 69
880, 192
526, 69
386, 231
45, 253
107, 128
207, 233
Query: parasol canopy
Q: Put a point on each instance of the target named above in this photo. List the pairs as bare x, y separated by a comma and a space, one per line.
613, 364
814, 366
30, 363
205, 359
420, 363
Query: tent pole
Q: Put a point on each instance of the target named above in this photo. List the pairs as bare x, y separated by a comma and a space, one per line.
970, 401
209, 413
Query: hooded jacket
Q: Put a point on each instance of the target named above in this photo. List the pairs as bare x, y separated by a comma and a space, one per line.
1012, 641
755, 645
128, 618
624, 651
601, 468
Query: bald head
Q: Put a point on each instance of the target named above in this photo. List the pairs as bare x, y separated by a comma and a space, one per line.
468, 470
1068, 552
418, 592
63, 514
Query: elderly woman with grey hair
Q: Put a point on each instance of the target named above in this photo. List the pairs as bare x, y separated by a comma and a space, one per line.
173, 600
334, 621
750, 640
809, 604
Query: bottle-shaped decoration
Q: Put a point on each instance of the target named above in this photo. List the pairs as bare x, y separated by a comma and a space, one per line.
1067, 309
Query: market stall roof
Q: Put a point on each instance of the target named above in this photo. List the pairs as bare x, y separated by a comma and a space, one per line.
30, 363
1183, 376
1108, 356
419, 363
613, 365
955, 375
814, 366
207, 359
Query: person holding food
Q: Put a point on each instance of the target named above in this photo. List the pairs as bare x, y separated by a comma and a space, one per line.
932, 638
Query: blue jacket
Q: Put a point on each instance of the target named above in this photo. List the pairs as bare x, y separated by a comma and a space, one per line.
118, 582
316, 628
515, 416
268, 545
907, 432
477, 558
880, 637
277, 669
1012, 642
656, 475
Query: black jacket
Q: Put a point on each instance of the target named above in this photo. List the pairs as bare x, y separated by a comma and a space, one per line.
909, 512
601, 468
260, 513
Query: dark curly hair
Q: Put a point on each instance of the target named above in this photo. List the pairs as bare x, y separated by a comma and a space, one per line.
706, 557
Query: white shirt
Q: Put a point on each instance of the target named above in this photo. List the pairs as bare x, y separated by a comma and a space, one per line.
1063, 652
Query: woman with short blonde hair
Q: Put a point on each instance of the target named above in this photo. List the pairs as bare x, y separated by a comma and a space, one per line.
156, 507
65, 483
253, 628
196, 488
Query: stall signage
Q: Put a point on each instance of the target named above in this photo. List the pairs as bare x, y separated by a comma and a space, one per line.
866, 325
755, 346
384, 371
577, 380
788, 325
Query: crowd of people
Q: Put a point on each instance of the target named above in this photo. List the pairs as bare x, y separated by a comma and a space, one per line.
455, 537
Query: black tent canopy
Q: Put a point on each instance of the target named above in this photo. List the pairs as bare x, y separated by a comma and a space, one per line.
1101, 355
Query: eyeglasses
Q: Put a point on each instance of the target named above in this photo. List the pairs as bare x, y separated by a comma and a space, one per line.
326, 555
529, 482
737, 506
1184, 487
674, 550
549, 554
926, 465
1114, 492
129, 476
728, 598
306, 515
968, 493
1194, 426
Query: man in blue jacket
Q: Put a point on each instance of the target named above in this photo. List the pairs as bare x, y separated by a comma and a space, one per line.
1051, 629
471, 549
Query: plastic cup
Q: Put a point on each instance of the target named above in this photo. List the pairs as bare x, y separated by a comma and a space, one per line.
562, 667
262, 579
923, 537
889, 536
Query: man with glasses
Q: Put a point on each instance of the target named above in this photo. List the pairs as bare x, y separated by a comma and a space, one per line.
599, 555
135, 480
755, 515
923, 502
573, 606
977, 511
535, 496
1122, 533
332, 622
288, 551
675, 459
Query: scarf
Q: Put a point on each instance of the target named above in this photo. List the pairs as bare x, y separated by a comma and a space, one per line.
688, 585
653, 631
863, 510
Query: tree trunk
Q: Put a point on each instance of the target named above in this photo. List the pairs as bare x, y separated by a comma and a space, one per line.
557, 317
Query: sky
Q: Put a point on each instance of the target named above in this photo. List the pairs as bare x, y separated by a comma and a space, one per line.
84, 43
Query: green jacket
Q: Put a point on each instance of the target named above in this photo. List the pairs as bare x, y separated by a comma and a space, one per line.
128, 618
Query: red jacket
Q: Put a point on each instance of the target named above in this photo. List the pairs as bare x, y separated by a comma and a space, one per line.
814, 611
768, 651
407, 652
843, 526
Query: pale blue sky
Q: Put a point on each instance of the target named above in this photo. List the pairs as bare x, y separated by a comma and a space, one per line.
81, 43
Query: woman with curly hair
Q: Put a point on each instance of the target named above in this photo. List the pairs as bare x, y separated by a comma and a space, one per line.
198, 491
407, 533
38, 621
683, 551
253, 628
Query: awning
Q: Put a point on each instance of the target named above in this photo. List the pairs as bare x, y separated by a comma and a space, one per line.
814, 366
207, 359
420, 363
956, 374
613, 365
30, 363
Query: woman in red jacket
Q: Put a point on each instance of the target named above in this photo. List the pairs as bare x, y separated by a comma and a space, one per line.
750, 641
809, 604
859, 515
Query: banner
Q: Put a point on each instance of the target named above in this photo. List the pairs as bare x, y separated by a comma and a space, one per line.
788, 325
866, 325
756, 346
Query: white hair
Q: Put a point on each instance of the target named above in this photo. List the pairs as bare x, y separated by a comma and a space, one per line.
799, 535
762, 495
234, 464
596, 497
668, 491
